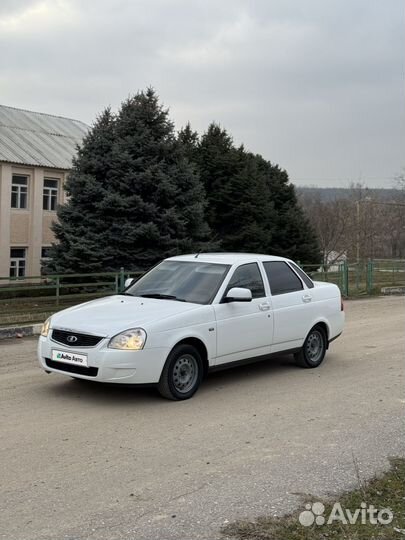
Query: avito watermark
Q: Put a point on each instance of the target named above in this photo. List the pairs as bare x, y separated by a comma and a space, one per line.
367, 513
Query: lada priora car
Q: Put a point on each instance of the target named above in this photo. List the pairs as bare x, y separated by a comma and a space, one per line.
192, 314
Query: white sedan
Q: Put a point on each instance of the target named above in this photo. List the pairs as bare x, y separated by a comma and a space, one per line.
192, 314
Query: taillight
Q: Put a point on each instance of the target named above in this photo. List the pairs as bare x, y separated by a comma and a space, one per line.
342, 307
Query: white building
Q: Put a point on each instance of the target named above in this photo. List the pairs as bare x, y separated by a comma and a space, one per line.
36, 153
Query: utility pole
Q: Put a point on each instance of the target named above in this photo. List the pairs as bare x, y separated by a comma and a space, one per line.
358, 231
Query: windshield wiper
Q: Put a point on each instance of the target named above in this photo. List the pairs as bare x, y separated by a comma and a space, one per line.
162, 296
124, 294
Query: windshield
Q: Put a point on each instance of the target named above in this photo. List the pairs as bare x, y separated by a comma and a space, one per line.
196, 282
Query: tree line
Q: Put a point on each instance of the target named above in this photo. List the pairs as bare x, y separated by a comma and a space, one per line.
139, 192
358, 223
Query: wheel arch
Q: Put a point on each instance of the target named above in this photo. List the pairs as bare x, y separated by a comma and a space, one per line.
198, 344
325, 327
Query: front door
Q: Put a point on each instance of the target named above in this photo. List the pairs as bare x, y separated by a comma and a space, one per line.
244, 329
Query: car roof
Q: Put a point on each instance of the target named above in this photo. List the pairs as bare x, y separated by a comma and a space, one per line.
226, 258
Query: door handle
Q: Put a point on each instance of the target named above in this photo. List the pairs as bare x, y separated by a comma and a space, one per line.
306, 298
264, 307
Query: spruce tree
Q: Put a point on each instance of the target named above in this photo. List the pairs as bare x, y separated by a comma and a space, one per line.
189, 142
218, 161
293, 235
251, 204
142, 203
247, 209
80, 228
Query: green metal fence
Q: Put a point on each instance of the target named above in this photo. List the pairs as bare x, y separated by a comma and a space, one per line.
34, 298
336, 273
386, 273
363, 278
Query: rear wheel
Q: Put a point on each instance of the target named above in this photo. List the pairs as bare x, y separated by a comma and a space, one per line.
314, 349
182, 373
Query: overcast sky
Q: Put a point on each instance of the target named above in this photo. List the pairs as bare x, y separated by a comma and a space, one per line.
316, 86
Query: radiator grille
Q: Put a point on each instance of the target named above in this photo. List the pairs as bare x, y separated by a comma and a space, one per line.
75, 339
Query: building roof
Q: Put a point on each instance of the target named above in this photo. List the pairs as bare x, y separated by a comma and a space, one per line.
32, 138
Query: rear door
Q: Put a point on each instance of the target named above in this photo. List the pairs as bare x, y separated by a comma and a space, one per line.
292, 305
244, 329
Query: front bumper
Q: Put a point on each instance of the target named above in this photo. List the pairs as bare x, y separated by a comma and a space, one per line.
106, 365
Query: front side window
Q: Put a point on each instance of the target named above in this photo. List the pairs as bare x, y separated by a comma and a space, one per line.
248, 276
19, 191
50, 195
17, 262
196, 282
281, 278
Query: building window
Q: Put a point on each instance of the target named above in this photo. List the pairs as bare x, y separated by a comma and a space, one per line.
50, 196
17, 262
45, 253
45, 256
19, 191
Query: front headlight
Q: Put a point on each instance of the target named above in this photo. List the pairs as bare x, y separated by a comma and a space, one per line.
45, 327
131, 340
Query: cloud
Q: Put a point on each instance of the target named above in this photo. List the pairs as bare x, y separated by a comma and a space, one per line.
316, 86
33, 18
9, 7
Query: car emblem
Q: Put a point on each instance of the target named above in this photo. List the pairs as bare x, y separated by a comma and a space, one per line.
71, 339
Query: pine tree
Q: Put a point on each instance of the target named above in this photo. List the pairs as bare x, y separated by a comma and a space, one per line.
218, 161
141, 202
293, 235
251, 204
189, 141
248, 212
81, 226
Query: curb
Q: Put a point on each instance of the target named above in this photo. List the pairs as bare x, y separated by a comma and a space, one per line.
392, 290
20, 331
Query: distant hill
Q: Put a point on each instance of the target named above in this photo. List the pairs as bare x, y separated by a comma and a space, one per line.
330, 194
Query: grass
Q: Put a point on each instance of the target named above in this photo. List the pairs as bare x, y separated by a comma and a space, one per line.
18, 311
385, 491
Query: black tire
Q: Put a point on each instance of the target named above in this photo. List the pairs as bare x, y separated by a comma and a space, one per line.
314, 349
182, 373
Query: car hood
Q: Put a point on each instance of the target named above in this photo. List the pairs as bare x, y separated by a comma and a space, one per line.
113, 314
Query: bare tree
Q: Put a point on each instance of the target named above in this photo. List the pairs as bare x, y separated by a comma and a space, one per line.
362, 223
330, 222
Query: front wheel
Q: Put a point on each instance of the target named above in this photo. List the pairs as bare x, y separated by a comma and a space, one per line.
314, 349
182, 373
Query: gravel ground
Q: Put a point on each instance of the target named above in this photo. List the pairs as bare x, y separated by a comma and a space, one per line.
94, 462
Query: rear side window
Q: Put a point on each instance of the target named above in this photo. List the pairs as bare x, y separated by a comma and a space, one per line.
281, 278
248, 276
306, 279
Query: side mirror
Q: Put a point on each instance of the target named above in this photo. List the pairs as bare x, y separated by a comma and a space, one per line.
238, 294
128, 282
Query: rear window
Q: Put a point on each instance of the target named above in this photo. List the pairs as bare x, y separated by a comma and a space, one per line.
281, 278
306, 279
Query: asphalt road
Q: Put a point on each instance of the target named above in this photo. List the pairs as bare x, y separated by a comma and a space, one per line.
93, 462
